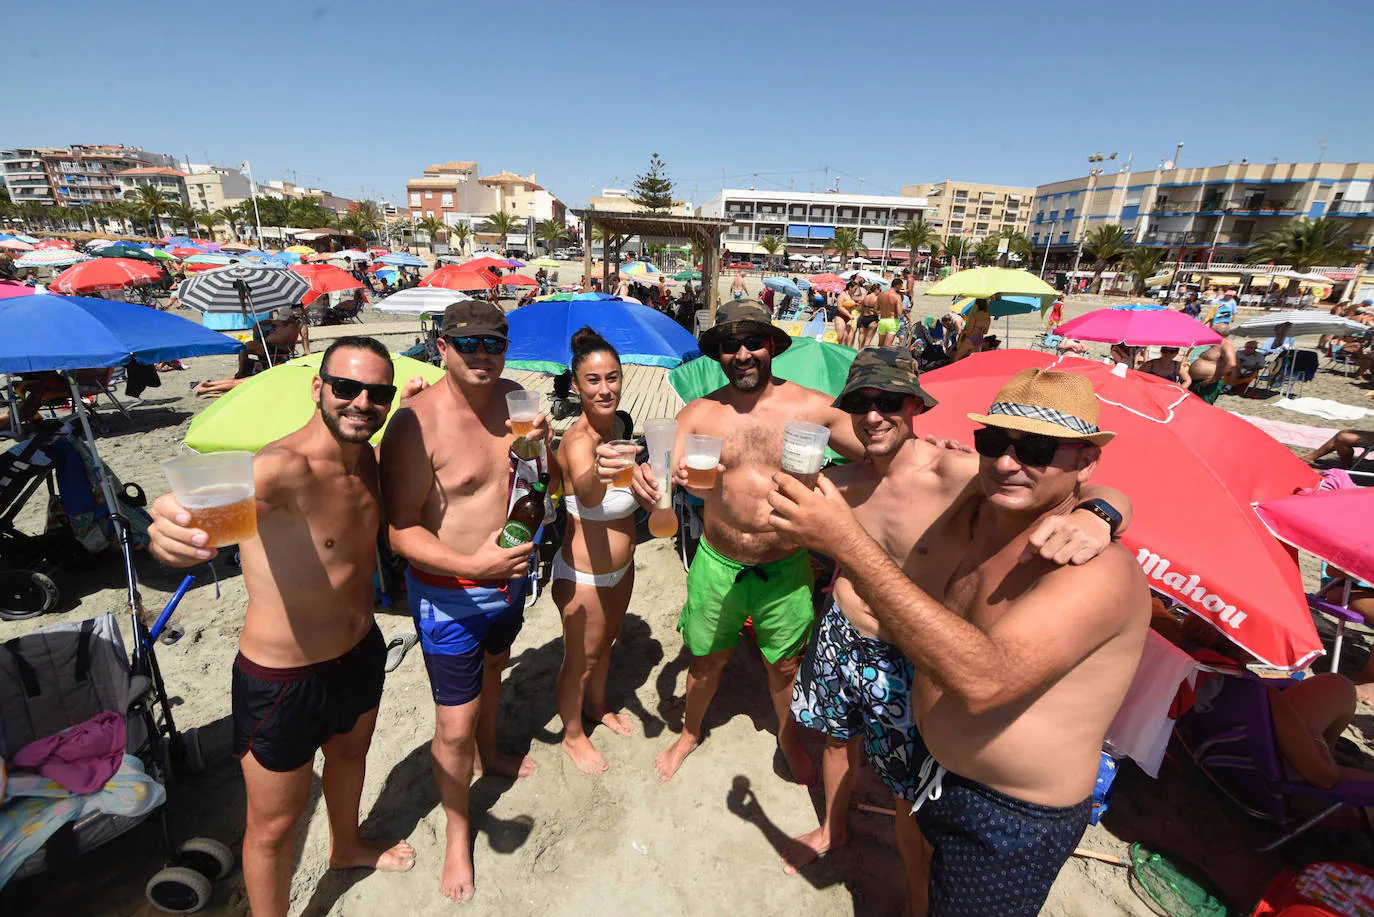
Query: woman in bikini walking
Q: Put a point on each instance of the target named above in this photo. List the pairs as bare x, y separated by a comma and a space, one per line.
593, 573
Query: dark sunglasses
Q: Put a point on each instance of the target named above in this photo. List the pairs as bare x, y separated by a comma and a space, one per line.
885, 402
1034, 449
348, 389
752, 342
492, 346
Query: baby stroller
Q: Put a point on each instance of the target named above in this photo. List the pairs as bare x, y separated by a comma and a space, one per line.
61, 676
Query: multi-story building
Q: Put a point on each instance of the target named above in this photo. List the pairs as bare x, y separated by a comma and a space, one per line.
213, 187
449, 192
171, 182
72, 176
806, 221
971, 209
1212, 213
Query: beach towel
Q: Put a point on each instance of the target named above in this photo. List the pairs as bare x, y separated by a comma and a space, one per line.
1143, 725
1290, 434
80, 758
34, 808
1321, 407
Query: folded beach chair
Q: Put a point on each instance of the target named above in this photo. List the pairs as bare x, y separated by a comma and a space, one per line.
61, 676
1229, 734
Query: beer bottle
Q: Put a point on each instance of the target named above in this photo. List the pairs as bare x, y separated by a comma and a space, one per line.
525, 516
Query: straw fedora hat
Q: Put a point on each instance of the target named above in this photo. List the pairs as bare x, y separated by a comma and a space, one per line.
1055, 404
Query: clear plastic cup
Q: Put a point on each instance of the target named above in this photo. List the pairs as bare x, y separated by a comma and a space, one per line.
523, 406
629, 451
803, 450
217, 490
660, 435
701, 455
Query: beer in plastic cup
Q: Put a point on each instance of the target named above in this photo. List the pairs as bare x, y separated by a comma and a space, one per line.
660, 435
217, 490
803, 450
702, 455
523, 406
629, 451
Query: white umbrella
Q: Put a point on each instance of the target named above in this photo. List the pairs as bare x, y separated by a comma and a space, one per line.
814, 259
1309, 277
858, 260
1301, 322
796, 257
419, 301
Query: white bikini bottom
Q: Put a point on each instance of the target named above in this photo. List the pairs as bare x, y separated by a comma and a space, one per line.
564, 570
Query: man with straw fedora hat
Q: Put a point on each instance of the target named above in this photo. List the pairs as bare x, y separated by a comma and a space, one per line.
743, 568
1018, 664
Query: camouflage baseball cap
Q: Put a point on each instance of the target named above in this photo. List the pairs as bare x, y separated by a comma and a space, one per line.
888, 369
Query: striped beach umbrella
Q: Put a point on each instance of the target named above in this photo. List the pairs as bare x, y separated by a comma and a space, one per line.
51, 257
268, 287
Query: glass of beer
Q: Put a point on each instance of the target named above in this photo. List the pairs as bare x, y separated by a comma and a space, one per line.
803, 450
701, 454
217, 490
524, 408
629, 451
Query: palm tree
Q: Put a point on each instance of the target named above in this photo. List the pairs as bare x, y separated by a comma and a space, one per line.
227, 216
1017, 245
771, 246
185, 215
915, 236
458, 236
955, 249
207, 222
1305, 244
551, 232
503, 224
359, 225
434, 228
153, 203
985, 252
1142, 264
846, 243
1105, 244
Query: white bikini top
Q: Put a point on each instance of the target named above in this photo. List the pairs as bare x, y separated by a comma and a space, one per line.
618, 503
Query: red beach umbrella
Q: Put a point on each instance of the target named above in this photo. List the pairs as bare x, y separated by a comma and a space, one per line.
517, 280
457, 277
486, 261
1193, 473
54, 243
105, 274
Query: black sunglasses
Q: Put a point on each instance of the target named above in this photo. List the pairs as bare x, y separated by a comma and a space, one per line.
348, 389
751, 342
1034, 449
492, 346
885, 402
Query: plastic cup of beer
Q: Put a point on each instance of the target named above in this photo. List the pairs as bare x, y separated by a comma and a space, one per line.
659, 436
803, 450
701, 456
629, 451
217, 490
523, 406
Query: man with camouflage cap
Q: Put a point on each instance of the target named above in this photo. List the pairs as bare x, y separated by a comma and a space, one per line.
854, 685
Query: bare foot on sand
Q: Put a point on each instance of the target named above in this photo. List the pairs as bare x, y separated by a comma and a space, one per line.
503, 765
618, 723
584, 755
1364, 691
799, 763
671, 758
456, 882
397, 857
800, 851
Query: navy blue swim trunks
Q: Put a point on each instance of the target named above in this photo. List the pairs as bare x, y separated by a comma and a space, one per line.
460, 622
994, 854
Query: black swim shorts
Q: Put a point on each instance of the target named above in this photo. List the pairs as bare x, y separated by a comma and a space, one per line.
283, 716
866, 320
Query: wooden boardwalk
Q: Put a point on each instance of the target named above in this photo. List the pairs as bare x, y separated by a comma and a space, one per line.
644, 392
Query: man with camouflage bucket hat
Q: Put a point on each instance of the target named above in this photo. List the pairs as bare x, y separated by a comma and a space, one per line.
854, 685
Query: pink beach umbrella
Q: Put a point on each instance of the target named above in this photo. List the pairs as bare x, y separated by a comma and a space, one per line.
1139, 326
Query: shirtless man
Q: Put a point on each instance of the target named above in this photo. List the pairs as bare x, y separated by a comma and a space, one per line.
901, 488
743, 567
737, 287
281, 332
889, 305
867, 325
445, 478
1208, 370
1019, 666
975, 329
309, 670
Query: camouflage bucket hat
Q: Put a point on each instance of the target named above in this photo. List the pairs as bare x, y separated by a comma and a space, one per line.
888, 369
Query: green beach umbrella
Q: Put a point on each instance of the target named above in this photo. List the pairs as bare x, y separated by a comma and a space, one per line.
277, 402
160, 255
125, 251
815, 364
545, 261
688, 274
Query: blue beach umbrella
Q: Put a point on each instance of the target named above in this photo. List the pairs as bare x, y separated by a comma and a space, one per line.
782, 285
540, 332
1001, 306
402, 259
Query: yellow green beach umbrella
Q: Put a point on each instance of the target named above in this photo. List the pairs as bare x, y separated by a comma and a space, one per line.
545, 262
277, 402
301, 250
987, 282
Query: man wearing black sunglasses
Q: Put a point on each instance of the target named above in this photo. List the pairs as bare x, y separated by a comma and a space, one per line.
446, 472
743, 568
1020, 647
309, 672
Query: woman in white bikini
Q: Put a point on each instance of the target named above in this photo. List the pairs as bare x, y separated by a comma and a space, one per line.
593, 573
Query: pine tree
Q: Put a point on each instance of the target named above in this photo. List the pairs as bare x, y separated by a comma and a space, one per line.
654, 189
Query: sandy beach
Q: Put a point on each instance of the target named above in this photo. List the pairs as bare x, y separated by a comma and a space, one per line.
563, 843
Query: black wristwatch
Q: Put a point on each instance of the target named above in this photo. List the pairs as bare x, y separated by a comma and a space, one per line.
1104, 511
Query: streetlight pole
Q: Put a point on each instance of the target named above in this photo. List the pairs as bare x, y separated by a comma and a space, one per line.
1054, 224
1093, 174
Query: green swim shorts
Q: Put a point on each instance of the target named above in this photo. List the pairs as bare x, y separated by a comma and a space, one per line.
723, 593
887, 326
1208, 391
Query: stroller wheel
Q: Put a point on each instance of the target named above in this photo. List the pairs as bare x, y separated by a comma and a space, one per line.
192, 754
178, 890
25, 594
206, 856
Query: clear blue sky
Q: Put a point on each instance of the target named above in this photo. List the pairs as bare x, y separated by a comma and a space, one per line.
364, 95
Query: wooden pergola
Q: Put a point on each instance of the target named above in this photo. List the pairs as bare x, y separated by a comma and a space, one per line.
618, 226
